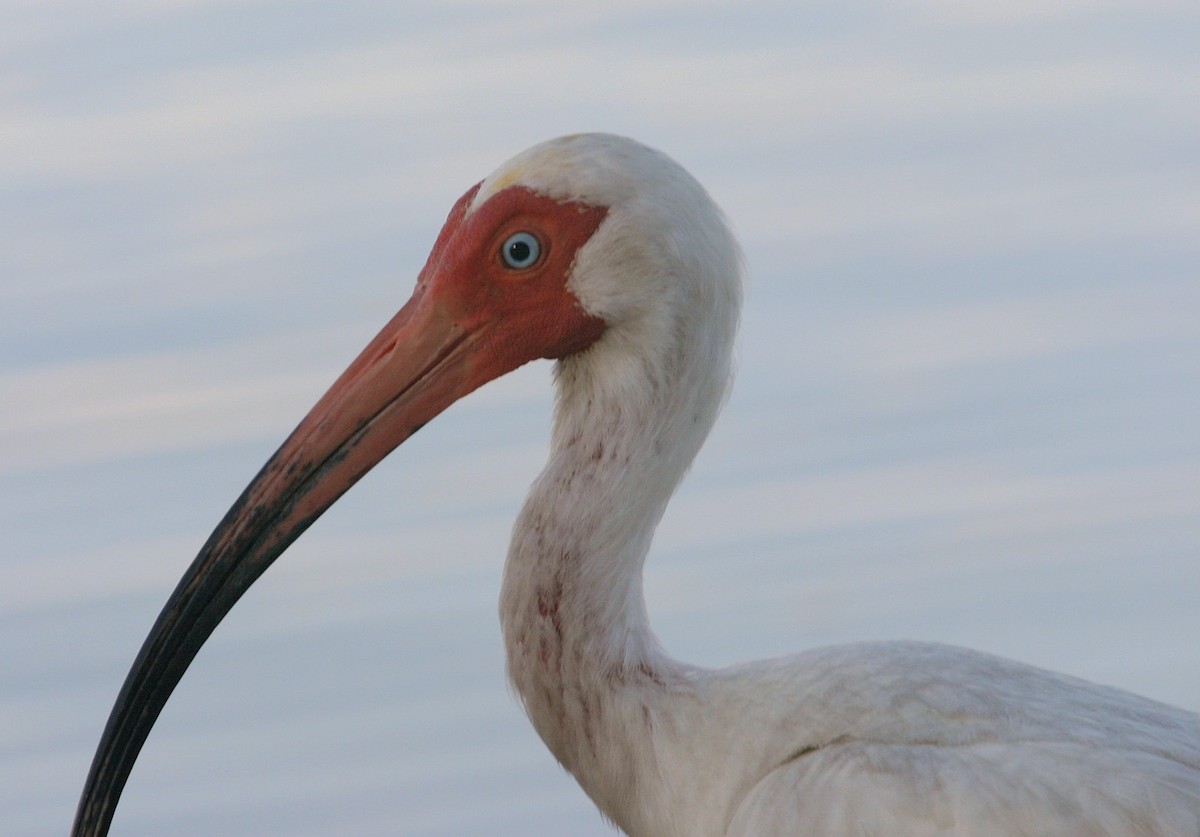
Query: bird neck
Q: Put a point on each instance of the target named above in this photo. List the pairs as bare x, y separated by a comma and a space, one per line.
581, 654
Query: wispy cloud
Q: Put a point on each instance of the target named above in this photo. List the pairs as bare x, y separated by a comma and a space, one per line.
1032, 12
941, 337
95, 410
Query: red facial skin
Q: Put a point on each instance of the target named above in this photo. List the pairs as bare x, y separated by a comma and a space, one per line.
471, 319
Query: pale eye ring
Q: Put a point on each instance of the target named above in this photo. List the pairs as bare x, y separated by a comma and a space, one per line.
521, 251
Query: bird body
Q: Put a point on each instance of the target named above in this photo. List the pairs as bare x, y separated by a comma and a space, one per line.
888, 739
609, 258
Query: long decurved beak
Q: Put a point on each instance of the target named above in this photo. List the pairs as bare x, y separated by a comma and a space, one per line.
417, 366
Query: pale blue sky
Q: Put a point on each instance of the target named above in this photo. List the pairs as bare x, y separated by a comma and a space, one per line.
967, 409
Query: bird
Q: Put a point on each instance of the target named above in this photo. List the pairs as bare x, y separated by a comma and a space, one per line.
608, 258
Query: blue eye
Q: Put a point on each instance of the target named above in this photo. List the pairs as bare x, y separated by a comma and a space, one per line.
521, 250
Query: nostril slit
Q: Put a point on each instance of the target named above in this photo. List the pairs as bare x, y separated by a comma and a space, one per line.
386, 350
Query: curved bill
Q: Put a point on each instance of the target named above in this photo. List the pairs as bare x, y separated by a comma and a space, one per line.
417, 366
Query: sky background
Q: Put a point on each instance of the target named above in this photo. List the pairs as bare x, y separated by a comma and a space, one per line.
967, 410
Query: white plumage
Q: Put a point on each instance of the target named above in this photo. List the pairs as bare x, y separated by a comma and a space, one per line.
873, 739
636, 290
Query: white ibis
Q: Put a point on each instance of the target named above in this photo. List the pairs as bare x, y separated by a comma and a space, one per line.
608, 257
